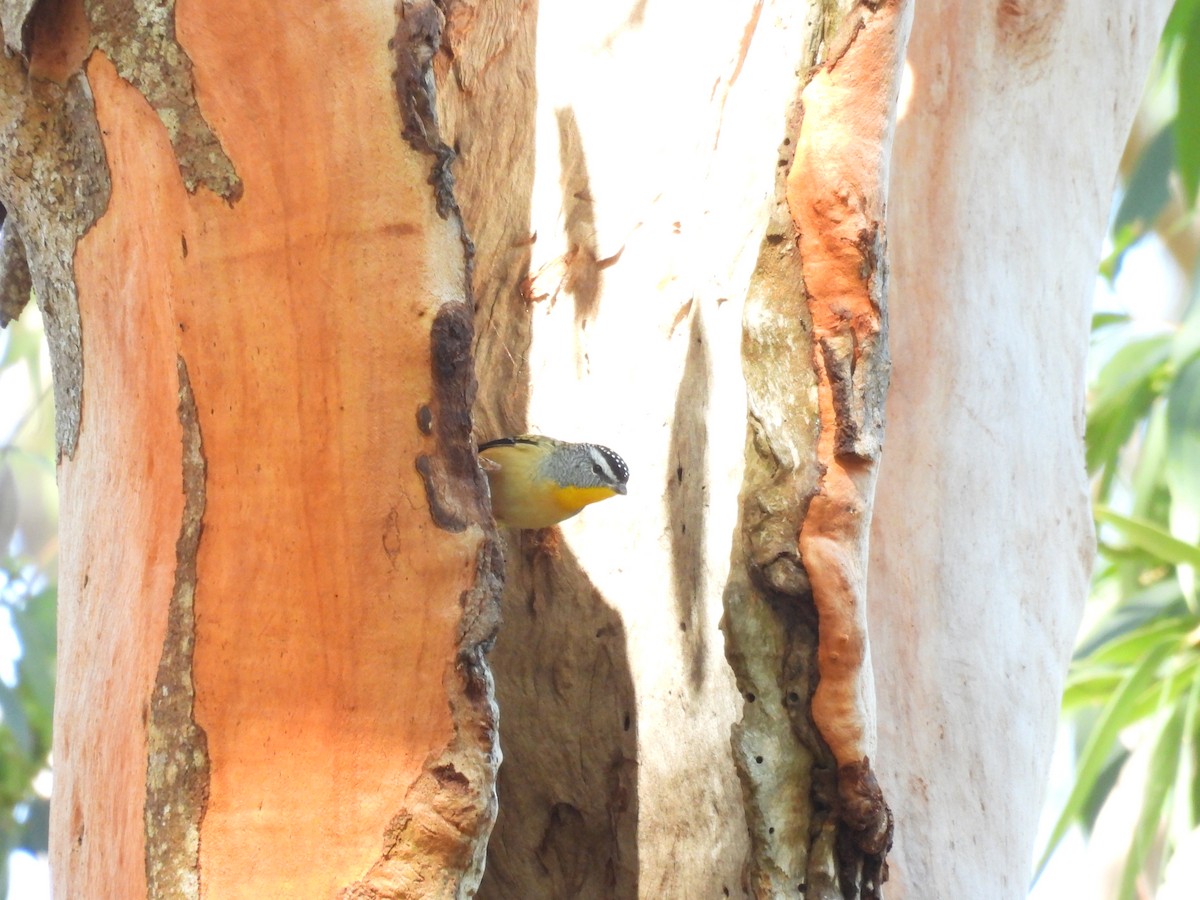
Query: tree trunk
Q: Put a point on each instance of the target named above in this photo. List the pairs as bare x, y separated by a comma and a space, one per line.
982, 542
278, 570
278, 573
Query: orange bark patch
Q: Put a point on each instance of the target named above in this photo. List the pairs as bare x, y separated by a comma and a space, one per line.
327, 600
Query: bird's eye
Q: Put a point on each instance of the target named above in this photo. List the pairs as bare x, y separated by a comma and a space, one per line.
596, 469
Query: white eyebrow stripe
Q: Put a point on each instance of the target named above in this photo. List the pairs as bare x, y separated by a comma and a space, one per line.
598, 458
612, 464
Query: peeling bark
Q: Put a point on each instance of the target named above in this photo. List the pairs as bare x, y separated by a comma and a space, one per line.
418, 40
795, 623
177, 762
139, 37
837, 197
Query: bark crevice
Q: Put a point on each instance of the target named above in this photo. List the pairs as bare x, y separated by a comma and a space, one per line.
419, 35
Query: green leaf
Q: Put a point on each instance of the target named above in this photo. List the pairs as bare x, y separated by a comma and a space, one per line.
1122, 239
1121, 398
1090, 688
1115, 716
1105, 782
1155, 697
1160, 776
1180, 20
1151, 498
1182, 469
1149, 187
1106, 319
1151, 537
1160, 599
1187, 122
1127, 649
1188, 774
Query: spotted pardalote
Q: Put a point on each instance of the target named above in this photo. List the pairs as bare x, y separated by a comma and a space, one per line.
538, 481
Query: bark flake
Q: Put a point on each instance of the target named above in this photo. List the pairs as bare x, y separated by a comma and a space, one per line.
16, 285
837, 198
177, 761
816, 365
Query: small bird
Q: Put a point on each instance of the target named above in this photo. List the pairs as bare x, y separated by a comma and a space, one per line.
538, 481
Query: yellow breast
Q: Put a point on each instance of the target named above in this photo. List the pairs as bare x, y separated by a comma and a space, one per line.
573, 499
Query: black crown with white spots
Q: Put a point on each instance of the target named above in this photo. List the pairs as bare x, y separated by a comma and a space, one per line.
617, 465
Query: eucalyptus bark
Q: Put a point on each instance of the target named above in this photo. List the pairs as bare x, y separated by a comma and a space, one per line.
278, 573
982, 539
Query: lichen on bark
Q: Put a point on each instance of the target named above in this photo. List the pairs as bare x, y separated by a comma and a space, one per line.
15, 20
770, 623
54, 181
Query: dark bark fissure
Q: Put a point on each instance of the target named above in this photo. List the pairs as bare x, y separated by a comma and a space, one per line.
177, 762
454, 484
419, 39
567, 822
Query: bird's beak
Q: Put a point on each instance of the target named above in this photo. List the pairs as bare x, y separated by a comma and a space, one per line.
621, 489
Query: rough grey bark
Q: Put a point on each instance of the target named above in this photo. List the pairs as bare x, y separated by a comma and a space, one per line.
55, 186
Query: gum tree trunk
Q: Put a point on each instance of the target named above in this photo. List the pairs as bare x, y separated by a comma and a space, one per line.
668, 230
278, 572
